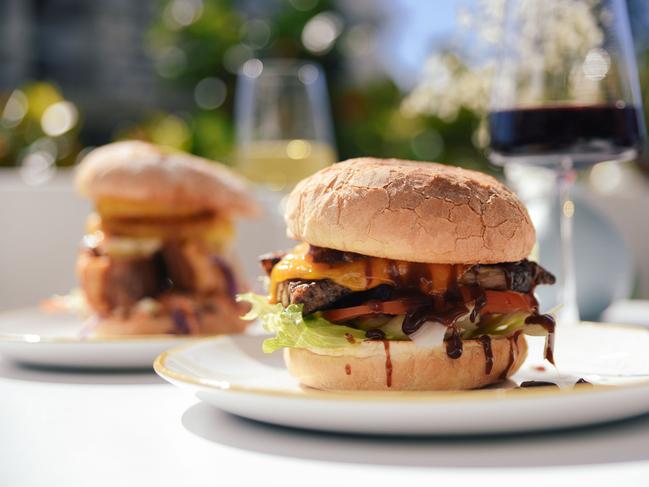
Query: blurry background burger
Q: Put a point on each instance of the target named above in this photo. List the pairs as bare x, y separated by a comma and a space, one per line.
410, 276
156, 256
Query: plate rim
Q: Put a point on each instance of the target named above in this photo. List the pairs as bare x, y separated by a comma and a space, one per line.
35, 338
161, 368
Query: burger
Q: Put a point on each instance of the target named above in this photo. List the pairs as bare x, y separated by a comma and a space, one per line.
156, 256
407, 276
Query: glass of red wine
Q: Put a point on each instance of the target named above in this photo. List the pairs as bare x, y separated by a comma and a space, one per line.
565, 96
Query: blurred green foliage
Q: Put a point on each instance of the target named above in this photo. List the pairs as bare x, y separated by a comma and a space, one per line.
35, 118
194, 41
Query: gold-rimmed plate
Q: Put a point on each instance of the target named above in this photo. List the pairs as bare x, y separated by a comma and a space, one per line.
233, 374
34, 337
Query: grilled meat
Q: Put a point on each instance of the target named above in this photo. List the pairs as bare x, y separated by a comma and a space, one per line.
270, 260
314, 295
522, 276
323, 255
111, 283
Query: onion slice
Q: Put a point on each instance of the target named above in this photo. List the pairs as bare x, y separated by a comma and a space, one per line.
429, 335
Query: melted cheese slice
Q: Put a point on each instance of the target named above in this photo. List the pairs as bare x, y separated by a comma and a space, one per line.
365, 273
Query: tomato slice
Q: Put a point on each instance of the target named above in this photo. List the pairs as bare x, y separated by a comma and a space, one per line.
497, 302
395, 307
507, 302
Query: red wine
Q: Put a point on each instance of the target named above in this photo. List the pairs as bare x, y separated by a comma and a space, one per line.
544, 135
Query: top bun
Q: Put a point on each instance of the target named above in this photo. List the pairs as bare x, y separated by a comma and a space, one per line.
412, 211
139, 172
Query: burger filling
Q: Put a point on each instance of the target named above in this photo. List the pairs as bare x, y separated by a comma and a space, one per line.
328, 299
180, 268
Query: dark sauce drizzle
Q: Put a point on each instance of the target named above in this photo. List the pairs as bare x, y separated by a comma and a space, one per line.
480, 302
375, 334
454, 345
454, 306
388, 363
513, 354
485, 340
537, 383
548, 323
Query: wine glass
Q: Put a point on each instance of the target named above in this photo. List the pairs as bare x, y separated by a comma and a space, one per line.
283, 123
565, 96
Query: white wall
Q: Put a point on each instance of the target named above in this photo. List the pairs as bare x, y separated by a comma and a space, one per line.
41, 227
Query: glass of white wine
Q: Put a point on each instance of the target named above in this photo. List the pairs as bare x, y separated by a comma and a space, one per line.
283, 122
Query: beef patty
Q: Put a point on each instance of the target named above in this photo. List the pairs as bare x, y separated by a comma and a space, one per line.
522, 276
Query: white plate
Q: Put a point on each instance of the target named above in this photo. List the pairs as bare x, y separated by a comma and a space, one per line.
233, 374
33, 337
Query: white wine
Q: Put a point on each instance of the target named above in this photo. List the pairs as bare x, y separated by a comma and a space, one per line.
280, 164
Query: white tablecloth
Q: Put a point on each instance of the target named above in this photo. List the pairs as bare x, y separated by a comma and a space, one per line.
78, 429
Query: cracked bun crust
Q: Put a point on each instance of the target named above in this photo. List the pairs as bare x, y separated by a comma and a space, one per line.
136, 171
413, 211
411, 368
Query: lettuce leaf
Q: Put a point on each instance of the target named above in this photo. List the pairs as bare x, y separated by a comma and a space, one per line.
294, 330
291, 329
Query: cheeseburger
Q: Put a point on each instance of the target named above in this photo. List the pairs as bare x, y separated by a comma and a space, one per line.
156, 258
408, 276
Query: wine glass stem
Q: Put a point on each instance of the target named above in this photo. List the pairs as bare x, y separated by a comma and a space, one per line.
569, 313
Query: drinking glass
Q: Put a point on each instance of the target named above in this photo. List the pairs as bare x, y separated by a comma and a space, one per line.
283, 122
565, 96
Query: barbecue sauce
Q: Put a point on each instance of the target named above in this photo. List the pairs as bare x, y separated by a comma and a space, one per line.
388, 363
480, 302
375, 334
454, 345
416, 319
537, 383
485, 341
548, 323
513, 354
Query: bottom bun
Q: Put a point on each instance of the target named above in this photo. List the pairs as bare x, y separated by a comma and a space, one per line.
222, 319
403, 366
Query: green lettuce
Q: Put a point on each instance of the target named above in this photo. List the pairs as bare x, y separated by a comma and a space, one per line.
294, 330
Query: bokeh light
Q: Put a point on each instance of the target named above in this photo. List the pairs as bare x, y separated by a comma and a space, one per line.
37, 167
308, 74
606, 177
210, 93
252, 68
298, 149
59, 118
596, 64
181, 13
15, 109
321, 32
